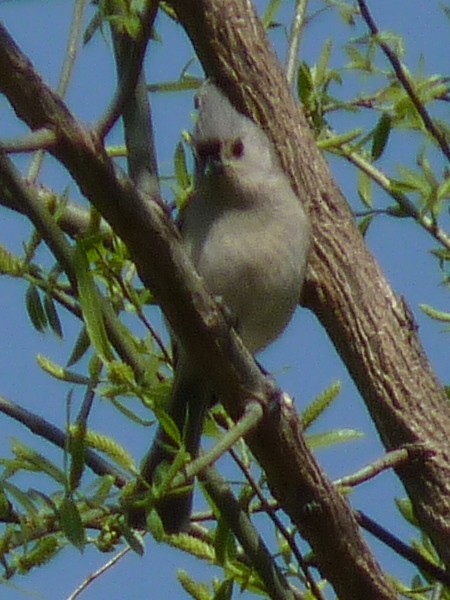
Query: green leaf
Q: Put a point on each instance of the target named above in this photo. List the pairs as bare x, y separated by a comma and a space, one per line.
134, 539
101, 487
61, 373
35, 309
71, 523
199, 591
268, 19
225, 590
405, 507
10, 264
181, 170
365, 188
77, 445
381, 135
168, 424
111, 448
185, 83
320, 404
435, 314
52, 316
91, 304
335, 141
41, 553
21, 497
81, 347
364, 224
322, 66
305, 84
443, 191
331, 438
6, 508
35, 461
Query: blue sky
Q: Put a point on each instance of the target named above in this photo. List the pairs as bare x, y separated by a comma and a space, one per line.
303, 368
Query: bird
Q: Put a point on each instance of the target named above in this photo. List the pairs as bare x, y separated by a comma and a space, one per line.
248, 236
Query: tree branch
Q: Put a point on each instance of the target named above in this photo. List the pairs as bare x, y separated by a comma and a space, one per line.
404, 80
57, 437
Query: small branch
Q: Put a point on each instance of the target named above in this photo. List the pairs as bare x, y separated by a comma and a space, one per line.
237, 519
391, 460
295, 35
38, 215
72, 47
270, 510
96, 574
38, 140
58, 244
73, 219
129, 75
402, 549
403, 201
247, 423
404, 80
66, 73
137, 121
57, 437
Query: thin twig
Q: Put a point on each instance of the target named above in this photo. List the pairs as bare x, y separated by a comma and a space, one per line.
295, 35
57, 437
403, 201
38, 215
58, 244
66, 73
130, 74
96, 574
247, 423
402, 549
238, 521
270, 510
404, 80
391, 460
38, 140
73, 219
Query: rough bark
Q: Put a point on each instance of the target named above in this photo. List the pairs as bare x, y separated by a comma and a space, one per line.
371, 327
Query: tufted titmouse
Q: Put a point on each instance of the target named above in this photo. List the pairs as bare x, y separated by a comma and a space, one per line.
248, 236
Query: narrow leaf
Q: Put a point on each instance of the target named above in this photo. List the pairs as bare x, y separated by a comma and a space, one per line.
81, 347
364, 224
331, 438
61, 373
77, 445
381, 135
35, 309
437, 315
365, 189
52, 316
90, 301
37, 462
21, 497
71, 523
134, 539
320, 404
181, 170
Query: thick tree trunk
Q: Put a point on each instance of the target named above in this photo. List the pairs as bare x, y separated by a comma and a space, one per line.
370, 325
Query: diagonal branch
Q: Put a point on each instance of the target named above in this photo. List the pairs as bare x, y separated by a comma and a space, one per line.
404, 80
56, 436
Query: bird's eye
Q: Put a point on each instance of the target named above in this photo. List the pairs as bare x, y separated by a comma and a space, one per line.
237, 148
209, 150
